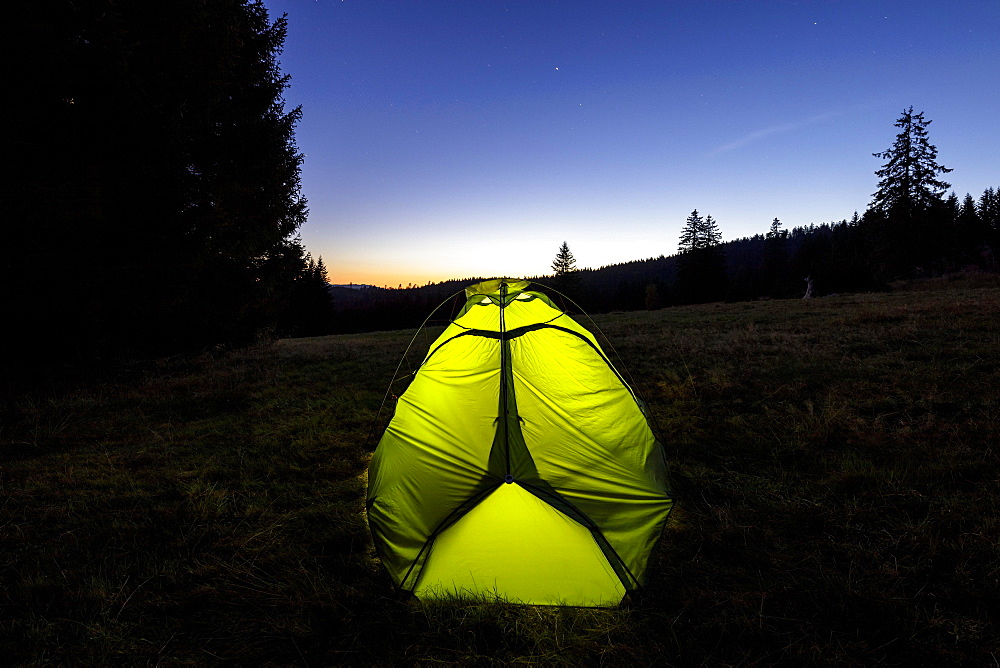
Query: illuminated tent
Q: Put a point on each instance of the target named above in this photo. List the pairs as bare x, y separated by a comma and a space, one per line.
518, 464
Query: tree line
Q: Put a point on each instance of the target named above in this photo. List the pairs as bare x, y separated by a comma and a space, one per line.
909, 230
153, 202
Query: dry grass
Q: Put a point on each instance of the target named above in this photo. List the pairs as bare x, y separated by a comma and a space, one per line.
835, 464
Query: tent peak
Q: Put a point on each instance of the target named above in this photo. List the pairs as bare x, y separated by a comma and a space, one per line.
492, 287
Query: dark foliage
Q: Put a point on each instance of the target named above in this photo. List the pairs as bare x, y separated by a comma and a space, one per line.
309, 311
701, 264
908, 180
912, 217
155, 194
909, 231
839, 257
776, 277
565, 276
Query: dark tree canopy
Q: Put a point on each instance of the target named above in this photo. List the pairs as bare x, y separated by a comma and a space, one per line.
838, 257
565, 274
701, 264
564, 263
156, 196
988, 208
776, 260
310, 309
909, 178
698, 233
908, 218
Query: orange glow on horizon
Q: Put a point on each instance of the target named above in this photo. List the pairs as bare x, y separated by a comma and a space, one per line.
406, 274
386, 279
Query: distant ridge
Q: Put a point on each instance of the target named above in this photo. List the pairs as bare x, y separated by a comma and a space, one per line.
352, 286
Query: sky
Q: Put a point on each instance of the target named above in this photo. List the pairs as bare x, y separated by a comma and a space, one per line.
470, 138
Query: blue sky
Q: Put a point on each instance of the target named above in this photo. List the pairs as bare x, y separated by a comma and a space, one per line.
450, 139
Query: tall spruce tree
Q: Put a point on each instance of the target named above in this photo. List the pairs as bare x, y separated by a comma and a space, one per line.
701, 264
160, 175
564, 262
711, 236
909, 200
776, 259
691, 233
908, 180
565, 276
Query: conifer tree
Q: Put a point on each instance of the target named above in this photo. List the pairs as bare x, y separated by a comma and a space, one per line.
908, 180
564, 263
691, 233
911, 220
309, 311
701, 264
775, 259
565, 276
162, 176
699, 233
711, 236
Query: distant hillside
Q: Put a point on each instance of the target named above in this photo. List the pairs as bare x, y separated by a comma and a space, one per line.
345, 296
836, 257
617, 287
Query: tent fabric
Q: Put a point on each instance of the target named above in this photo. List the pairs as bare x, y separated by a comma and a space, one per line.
518, 463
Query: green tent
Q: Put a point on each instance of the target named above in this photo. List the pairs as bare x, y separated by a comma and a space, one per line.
518, 463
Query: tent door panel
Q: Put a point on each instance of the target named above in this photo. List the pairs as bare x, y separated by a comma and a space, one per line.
514, 546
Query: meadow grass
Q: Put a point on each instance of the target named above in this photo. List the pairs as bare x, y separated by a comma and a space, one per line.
834, 462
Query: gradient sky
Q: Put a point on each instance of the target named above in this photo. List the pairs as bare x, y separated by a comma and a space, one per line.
459, 138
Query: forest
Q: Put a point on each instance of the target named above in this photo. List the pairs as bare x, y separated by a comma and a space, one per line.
918, 235
156, 204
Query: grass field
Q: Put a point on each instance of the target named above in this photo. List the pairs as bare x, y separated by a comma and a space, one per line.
835, 464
